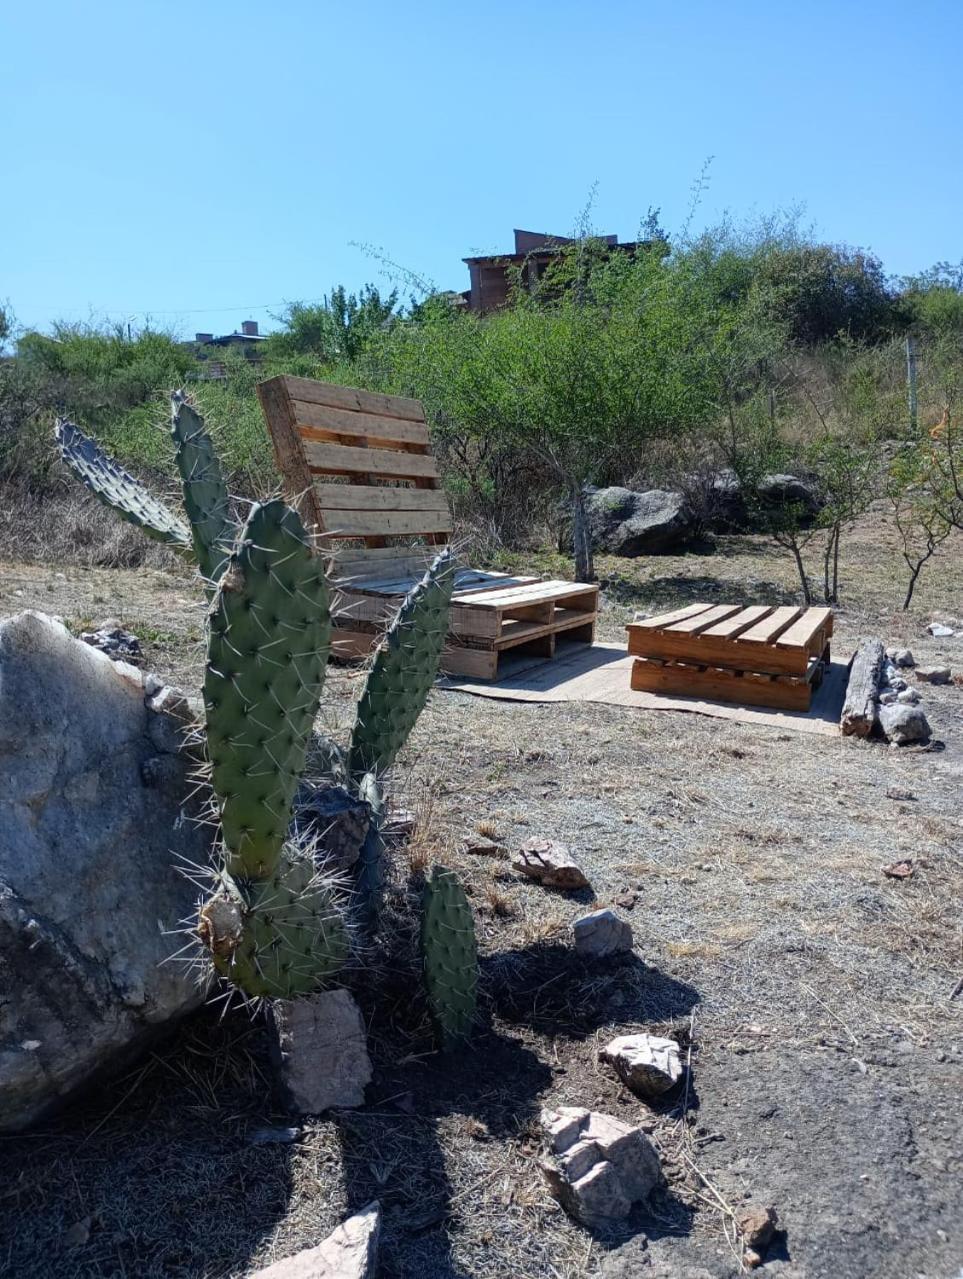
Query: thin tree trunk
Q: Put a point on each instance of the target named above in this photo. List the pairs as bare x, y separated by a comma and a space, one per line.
581, 537
803, 579
914, 574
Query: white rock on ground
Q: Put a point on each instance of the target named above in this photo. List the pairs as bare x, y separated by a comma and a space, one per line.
939, 630
934, 674
320, 1049
602, 933
903, 724
649, 1064
93, 823
597, 1167
908, 696
550, 863
349, 1252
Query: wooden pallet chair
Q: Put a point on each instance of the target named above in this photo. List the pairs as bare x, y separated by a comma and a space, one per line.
360, 470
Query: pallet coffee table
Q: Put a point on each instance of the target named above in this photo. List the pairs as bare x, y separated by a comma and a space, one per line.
759, 655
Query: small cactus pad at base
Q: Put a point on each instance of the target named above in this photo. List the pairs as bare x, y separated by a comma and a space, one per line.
269, 629
280, 936
450, 955
205, 495
404, 671
118, 489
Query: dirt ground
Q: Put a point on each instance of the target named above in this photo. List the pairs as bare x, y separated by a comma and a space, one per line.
811, 994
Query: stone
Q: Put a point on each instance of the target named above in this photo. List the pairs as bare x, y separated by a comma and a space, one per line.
482, 846
886, 698
550, 863
756, 1225
597, 1166
786, 490
623, 522
319, 1047
335, 819
903, 658
903, 724
939, 631
602, 933
900, 793
95, 820
118, 644
908, 696
349, 1252
649, 1064
934, 674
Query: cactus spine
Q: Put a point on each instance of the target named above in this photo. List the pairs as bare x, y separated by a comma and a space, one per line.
115, 487
450, 955
205, 494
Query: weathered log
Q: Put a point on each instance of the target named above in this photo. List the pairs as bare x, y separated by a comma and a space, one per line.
862, 691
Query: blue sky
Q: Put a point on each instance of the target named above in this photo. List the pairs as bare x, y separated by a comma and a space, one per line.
203, 163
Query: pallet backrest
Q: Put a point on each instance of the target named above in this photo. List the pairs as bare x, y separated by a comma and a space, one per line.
359, 468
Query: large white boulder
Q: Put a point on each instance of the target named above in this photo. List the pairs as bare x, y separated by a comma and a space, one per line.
93, 791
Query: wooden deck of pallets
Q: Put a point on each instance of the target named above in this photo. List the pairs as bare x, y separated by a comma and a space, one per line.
360, 469
759, 655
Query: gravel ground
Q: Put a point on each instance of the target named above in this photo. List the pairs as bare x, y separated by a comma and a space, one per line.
812, 993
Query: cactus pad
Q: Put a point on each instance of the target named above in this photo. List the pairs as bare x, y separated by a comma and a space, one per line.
205, 495
118, 489
450, 955
269, 629
403, 672
280, 936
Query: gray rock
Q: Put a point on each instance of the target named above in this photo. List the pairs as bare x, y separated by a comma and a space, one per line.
904, 658
349, 1252
903, 724
784, 490
908, 696
623, 522
649, 1064
94, 820
596, 1166
887, 697
319, 1047
934, 674
602, 933
549, 863
939, 631
118, 644
337, 820
481, 846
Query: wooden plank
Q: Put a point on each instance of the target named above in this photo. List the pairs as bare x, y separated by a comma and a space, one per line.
386, 523
666, 619
702, 621
713, 685
806, 630
348, 645
562, 621
350, 397
862, 691
479, 663
766, 631
735, 625
378, 497
705, 649
534, 593
342, 459
289, 452
320, 421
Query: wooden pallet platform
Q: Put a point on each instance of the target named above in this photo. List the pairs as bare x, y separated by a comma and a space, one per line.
759, 638
718, 684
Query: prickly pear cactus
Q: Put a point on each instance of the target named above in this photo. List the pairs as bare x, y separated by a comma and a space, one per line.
116, 488
269, 629
404, 671
280, 936
205, 494
450, 955
369, 869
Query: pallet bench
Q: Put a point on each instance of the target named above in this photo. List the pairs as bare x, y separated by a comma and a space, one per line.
359, 468
758, 655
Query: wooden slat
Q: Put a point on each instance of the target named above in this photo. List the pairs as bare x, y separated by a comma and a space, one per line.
479, 663
318, 421
376, 497
342, 459
289, 451
349, 397
531, 594
720, 686
696, 625
386, 523
802, 632
666, 619
770, 627
742, 621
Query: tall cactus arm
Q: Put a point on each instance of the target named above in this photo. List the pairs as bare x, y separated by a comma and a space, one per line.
269, 631
116, 488
403, 672
205, 494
